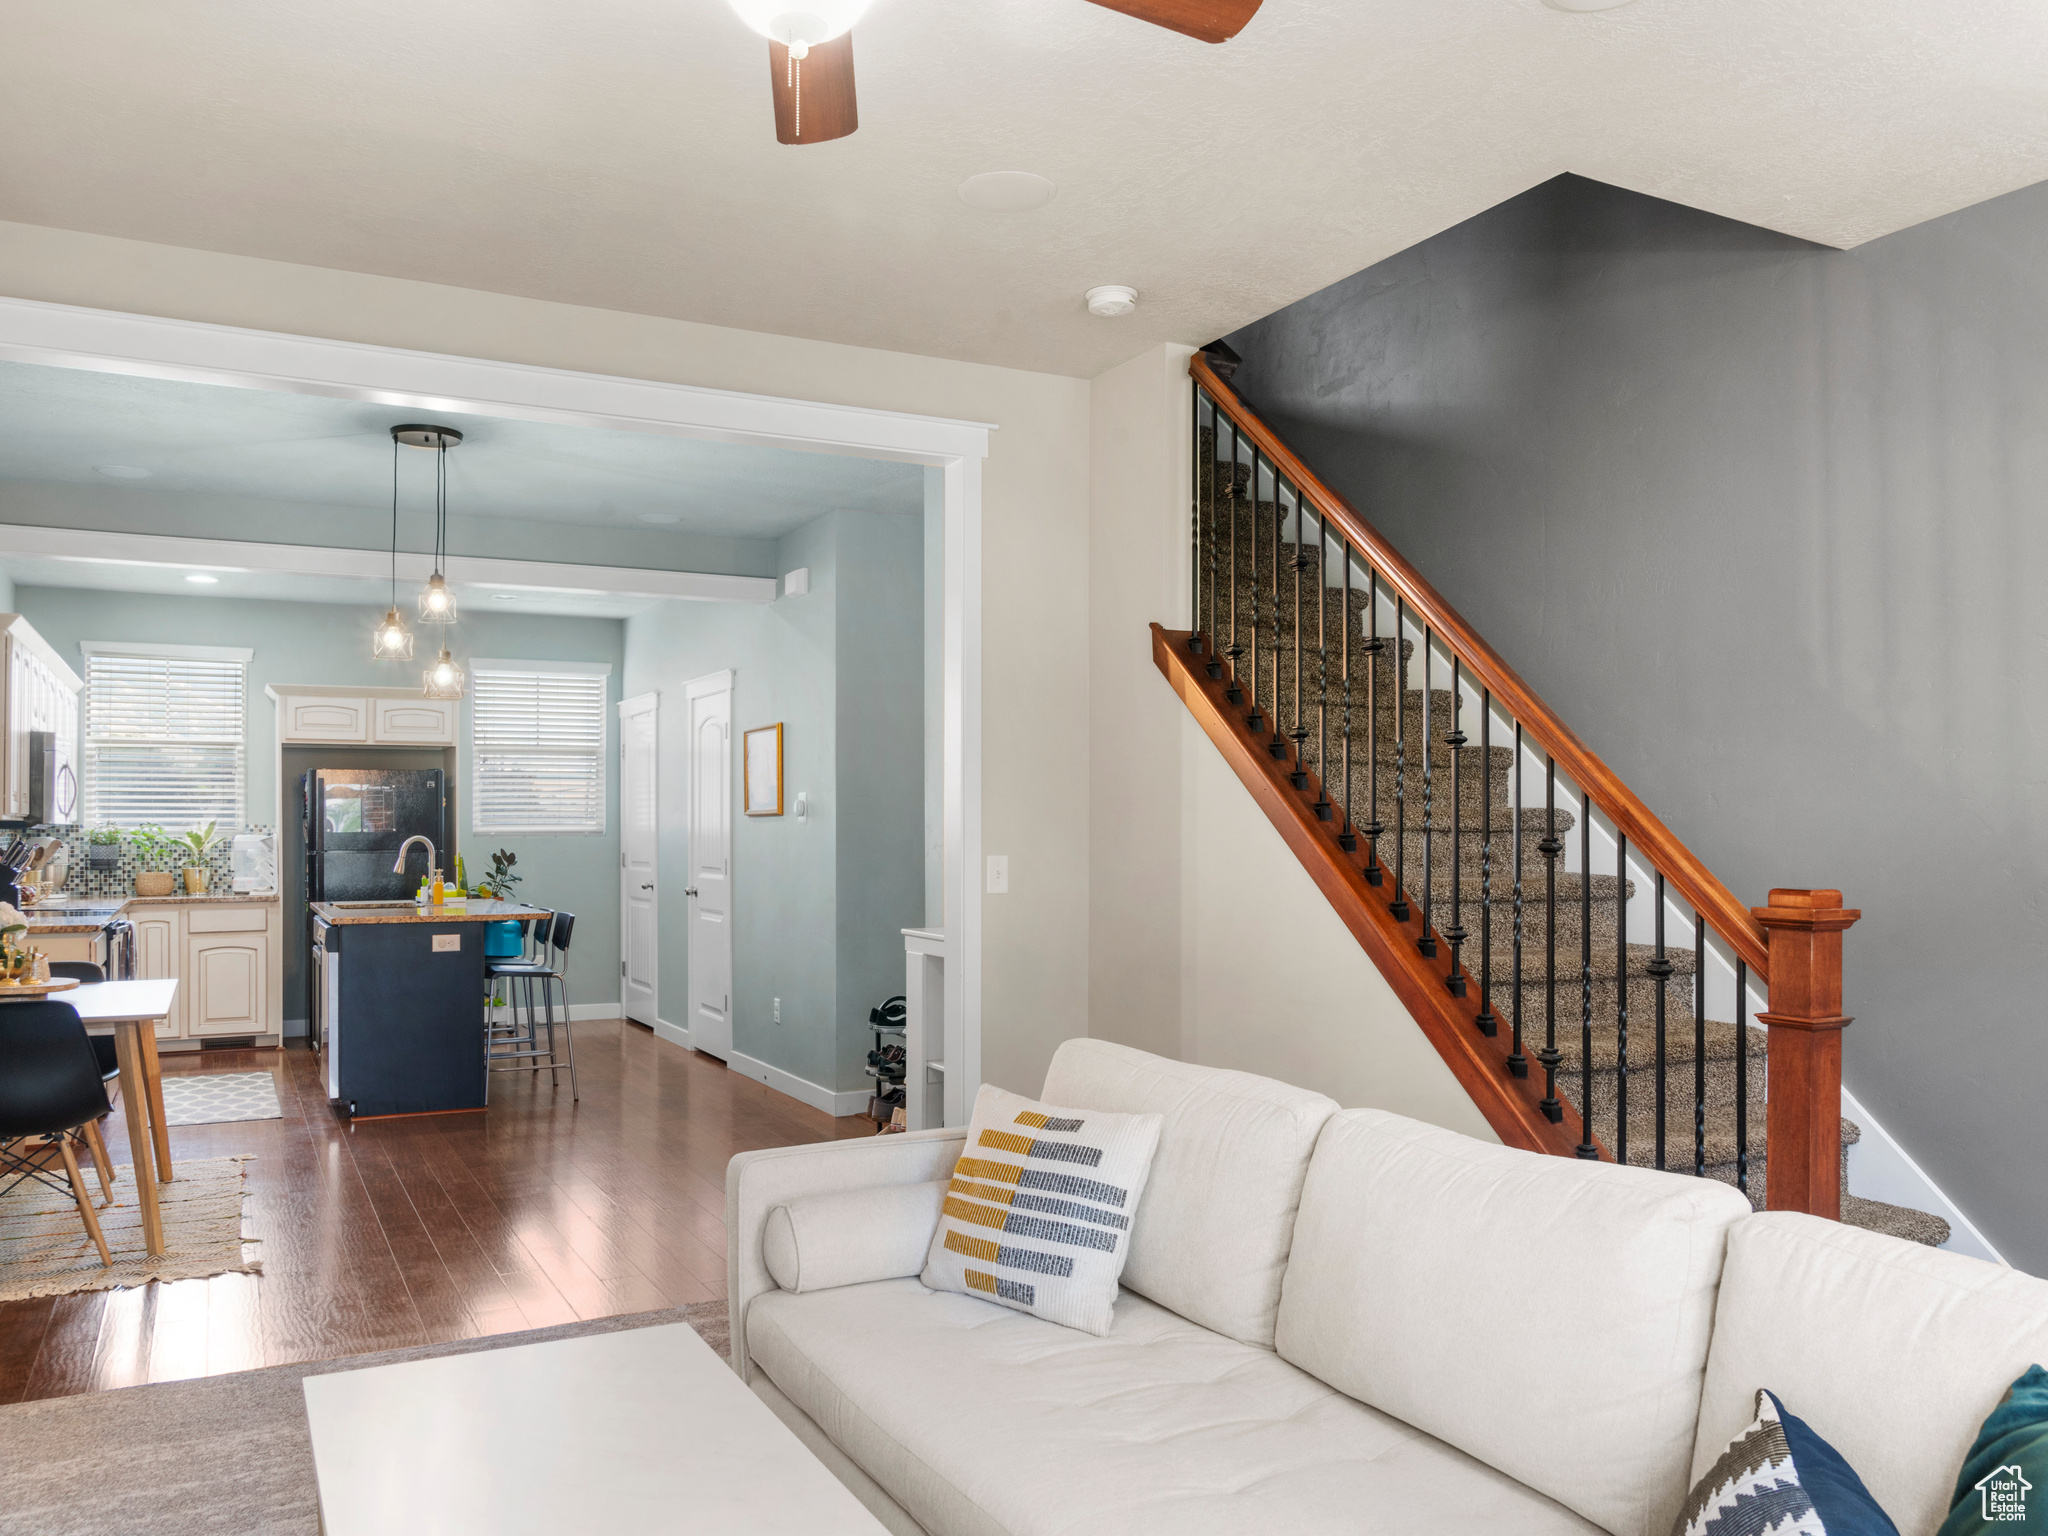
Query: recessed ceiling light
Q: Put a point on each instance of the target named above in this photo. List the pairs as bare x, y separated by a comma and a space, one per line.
1111, 299
659, 518
504, 597
201, 579
123, 471
1006, 191
1585, 5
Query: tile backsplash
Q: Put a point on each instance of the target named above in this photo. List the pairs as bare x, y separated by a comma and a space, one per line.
83, 880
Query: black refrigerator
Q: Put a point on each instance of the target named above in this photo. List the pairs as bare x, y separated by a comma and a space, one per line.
357, 818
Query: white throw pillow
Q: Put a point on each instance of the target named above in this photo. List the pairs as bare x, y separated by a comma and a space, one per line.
1038, 1213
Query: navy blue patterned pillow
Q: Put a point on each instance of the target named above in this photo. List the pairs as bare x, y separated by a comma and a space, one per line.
1778, 1478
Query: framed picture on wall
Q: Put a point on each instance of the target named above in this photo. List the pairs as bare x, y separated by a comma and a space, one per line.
763, 752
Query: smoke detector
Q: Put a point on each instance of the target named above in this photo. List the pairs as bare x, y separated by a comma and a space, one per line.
1111, 299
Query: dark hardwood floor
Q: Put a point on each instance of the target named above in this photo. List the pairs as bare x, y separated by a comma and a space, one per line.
413, 1231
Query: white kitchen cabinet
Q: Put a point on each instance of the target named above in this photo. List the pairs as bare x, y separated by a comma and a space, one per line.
157, 938
414, 722
42, 695
226, 980
318, 717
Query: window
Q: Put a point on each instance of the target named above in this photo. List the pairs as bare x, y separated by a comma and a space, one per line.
164, 735
537, 745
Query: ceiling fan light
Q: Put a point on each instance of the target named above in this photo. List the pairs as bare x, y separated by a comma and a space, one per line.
808, 22
391, 640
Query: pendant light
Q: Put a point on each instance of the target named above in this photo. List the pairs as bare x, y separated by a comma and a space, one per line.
444, 678
391, 640
437, 600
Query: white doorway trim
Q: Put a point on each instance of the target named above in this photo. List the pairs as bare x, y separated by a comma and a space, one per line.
111, 342
709, 1025
640, 879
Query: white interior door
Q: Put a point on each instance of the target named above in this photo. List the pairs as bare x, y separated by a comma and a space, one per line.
710, 888
639, 860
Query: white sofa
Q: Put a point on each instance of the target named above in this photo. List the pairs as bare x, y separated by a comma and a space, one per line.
1346, 1321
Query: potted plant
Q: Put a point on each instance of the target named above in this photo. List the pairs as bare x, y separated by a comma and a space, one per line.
499, 882
195, 845
154, 850
103, 848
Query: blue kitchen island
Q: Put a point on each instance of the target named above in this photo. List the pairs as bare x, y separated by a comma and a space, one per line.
399, 1004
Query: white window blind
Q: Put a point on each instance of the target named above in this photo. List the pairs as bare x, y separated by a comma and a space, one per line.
164, 739
537, 742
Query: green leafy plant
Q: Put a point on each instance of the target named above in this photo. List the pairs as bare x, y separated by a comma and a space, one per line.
104, 835
155, 849
197, 843
499, 882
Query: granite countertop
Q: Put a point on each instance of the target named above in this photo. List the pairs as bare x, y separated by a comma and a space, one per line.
478, 912
103, 909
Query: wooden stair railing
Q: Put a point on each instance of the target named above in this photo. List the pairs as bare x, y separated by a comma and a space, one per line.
1272, 717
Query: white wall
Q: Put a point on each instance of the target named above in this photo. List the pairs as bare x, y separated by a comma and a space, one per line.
1210, 941
1035, 511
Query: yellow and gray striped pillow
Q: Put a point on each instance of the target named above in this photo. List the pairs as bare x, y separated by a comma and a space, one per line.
1039, 1209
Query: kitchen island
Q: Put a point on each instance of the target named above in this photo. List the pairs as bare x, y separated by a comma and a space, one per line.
399, 1004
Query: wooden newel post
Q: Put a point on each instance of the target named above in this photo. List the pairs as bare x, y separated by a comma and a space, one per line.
1805, 1018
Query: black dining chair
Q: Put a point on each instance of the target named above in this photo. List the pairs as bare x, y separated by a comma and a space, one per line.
50, 1090
516, 1047
86, 973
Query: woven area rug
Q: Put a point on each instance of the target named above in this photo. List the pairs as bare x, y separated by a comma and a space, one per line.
218, 1097
222, 1455
44, 1249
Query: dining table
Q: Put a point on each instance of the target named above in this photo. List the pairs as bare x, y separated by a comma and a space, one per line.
134, 1009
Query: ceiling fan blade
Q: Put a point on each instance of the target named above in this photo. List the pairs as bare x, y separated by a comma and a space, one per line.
1210, 21
814, 95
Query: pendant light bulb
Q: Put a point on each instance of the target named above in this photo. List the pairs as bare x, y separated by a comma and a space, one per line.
443, 679
437, 601
802, 25
391, 640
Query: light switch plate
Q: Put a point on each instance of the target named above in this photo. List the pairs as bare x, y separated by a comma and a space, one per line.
447, 943
999, 874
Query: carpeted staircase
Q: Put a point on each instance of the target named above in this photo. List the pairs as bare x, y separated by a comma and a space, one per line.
1485, 884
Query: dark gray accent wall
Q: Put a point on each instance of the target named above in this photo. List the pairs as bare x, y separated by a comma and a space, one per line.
1767, 524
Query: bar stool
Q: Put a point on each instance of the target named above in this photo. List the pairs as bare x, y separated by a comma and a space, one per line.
515, 1046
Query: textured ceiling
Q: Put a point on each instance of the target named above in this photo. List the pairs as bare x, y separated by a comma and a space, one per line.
619, 153
62, 425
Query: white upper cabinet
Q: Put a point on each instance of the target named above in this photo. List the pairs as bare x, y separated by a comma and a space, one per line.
303, 717
414, 722
42, 695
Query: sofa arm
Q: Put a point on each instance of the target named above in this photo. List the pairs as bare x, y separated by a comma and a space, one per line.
757, 1182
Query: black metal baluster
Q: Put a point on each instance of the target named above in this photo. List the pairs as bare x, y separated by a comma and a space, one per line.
1348, 838
1427, 943
1742, 1075
1518, 1064
1255, 722
1489, 1025
1586, 1148
1699, 1047
1322, 667
1236, 689
1373, 646
1278, 745
1298, 777
1550, 848
1212, 628
1620, 993
1660, 969
1195, 536
1455, 934
1399, 905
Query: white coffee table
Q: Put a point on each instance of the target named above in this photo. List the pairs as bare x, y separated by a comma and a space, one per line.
640, 1431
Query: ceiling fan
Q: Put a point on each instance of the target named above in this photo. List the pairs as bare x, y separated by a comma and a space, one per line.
810, 52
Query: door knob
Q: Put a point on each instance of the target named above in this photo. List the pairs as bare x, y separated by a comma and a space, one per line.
646, 887
691, 891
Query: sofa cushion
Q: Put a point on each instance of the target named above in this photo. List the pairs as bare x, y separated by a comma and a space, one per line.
982, 1421
1212, 1235
1894, 1352
1547, 1315
850, 1236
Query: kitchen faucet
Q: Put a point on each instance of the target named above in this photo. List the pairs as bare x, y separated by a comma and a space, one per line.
405, 847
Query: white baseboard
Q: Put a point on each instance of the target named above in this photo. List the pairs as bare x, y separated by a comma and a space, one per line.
578, 1011
674, 1034
1881, 1169
800, 1089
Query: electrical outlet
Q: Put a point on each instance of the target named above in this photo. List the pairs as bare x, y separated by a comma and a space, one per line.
999, 874
778, 1010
